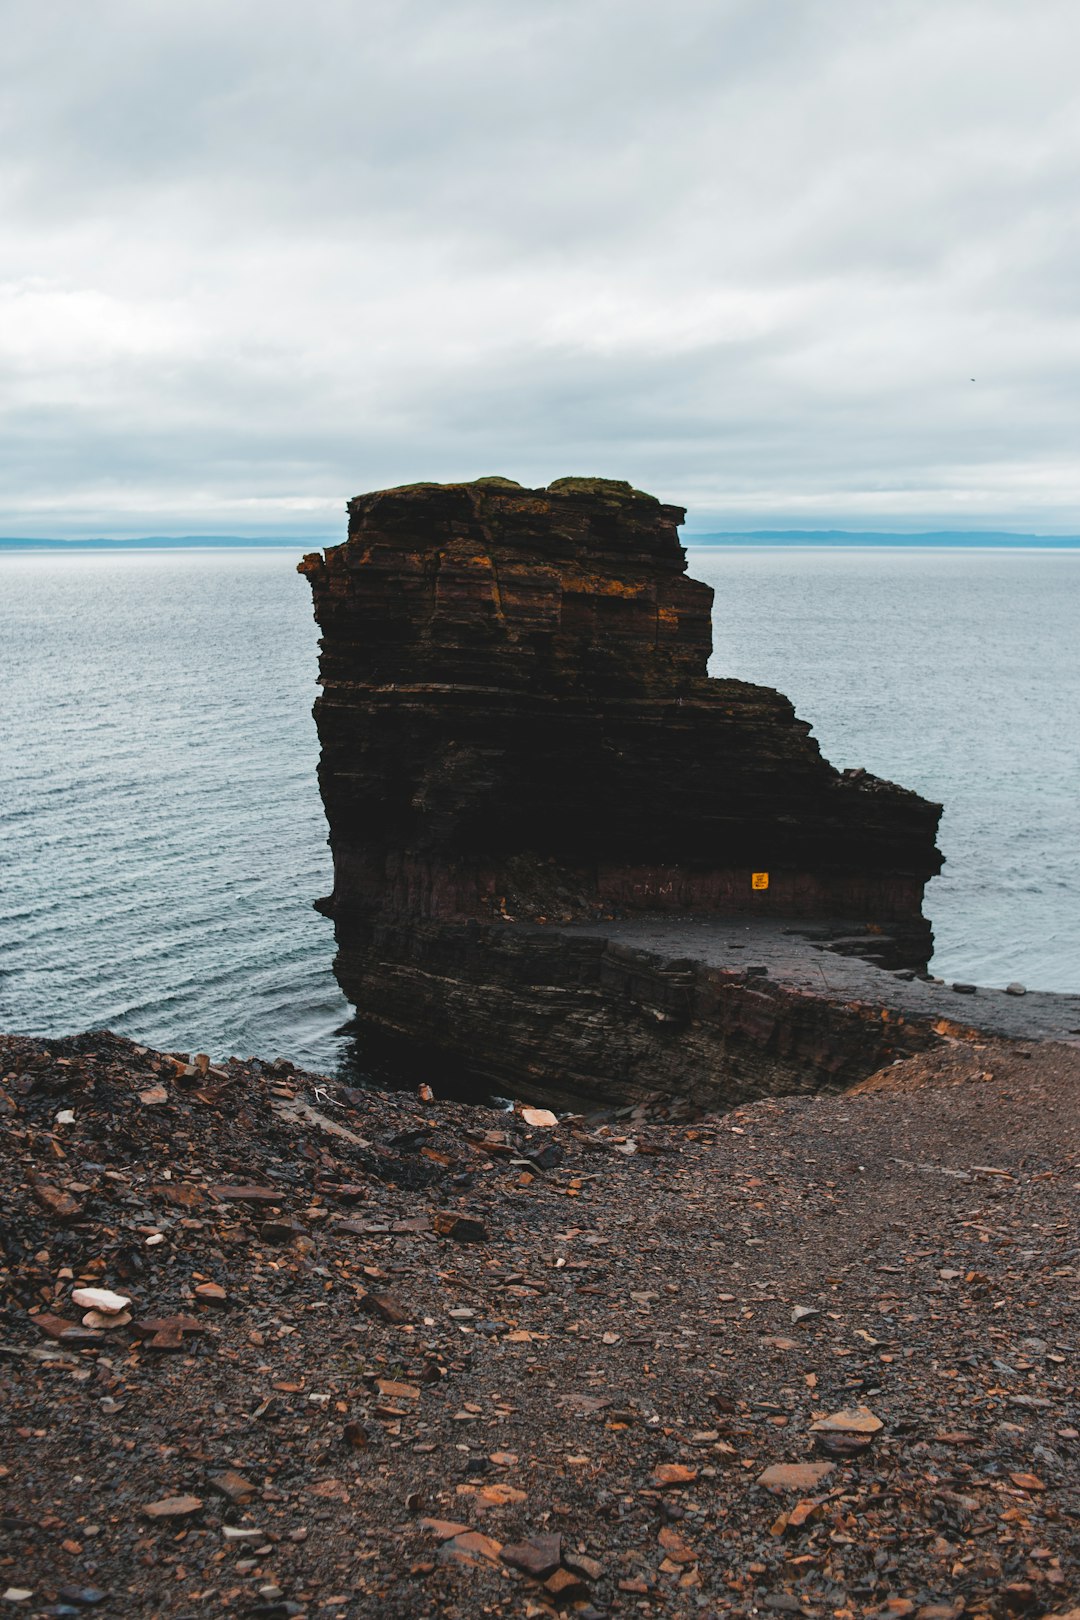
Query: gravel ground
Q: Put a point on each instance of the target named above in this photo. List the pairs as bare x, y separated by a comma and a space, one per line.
405, 1358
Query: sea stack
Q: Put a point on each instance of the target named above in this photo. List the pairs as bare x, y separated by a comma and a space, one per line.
519, 737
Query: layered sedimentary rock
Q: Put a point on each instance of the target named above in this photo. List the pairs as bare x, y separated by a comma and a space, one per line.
518, 728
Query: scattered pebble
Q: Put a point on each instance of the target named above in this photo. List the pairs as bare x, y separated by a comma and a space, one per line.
173, 1507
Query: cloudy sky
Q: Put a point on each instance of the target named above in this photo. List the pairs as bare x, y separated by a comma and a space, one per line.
258, 257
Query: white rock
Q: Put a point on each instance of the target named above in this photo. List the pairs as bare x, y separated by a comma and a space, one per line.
99, 1319
539, 1116
100, 1299
66, 1116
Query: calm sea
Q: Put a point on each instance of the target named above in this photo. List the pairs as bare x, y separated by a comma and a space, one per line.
162, 838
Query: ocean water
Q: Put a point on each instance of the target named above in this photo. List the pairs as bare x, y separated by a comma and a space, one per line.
956, 673
161, 832
162, 838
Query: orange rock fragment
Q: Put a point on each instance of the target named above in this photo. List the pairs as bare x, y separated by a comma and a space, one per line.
794, 1476
666, 1475
677, 1548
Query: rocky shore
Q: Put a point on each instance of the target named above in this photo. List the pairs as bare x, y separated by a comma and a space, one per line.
721, 1010
349, 1354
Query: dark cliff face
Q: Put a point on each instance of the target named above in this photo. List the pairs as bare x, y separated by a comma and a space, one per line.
517, 727
516, 718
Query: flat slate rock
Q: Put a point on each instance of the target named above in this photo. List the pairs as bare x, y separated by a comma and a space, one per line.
806, 1476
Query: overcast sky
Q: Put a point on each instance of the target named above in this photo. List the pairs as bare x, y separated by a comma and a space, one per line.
749, 254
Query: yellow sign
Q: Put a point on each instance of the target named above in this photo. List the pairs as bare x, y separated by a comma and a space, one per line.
759, 880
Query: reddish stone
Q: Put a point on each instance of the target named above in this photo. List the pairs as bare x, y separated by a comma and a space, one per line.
386, 1308
539, 1557
61, 1205
54, 1326
247, 1195
463, 1228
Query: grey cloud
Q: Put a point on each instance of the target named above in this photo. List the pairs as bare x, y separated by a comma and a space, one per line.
257, 257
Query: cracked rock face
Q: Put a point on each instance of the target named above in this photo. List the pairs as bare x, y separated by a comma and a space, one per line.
517, 725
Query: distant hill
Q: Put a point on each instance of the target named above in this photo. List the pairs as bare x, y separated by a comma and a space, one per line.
942, 538
171, 542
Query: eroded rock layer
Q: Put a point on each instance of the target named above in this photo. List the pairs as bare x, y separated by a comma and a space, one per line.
517, 725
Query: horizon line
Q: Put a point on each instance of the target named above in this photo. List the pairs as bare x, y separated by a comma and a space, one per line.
941, 538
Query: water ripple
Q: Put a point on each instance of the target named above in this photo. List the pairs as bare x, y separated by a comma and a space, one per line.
161, 835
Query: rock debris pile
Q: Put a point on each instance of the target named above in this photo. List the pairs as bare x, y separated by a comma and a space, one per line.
272, 1346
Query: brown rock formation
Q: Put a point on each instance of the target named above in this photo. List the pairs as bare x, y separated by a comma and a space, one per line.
517, 725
